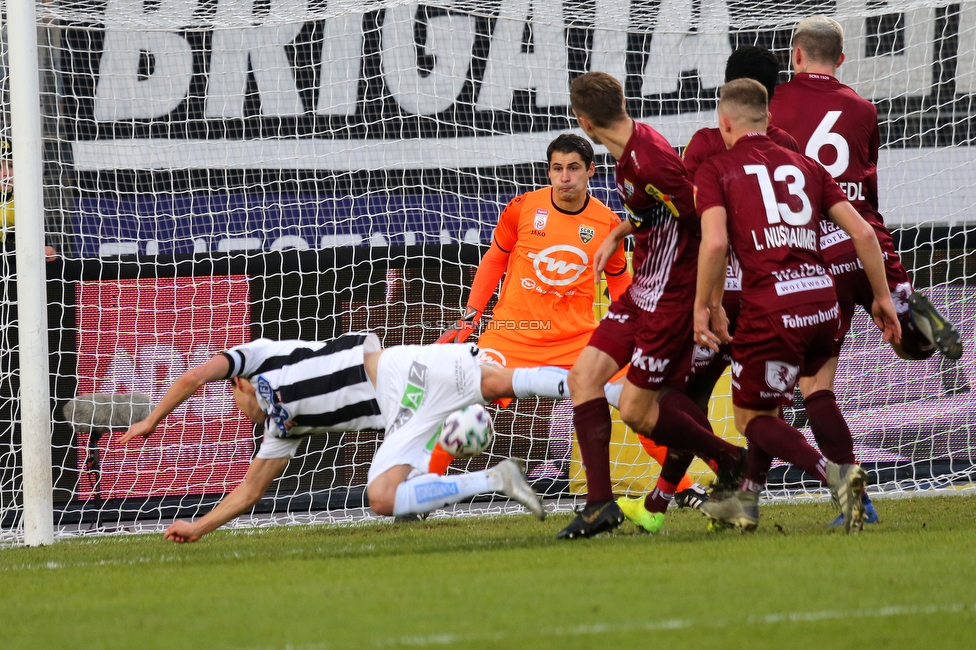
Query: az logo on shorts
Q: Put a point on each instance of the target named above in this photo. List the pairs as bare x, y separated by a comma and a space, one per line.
781, 376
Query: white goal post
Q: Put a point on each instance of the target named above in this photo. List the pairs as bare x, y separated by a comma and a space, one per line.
210, 171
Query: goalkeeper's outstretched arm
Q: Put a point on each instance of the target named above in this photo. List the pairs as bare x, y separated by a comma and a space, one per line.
490, 272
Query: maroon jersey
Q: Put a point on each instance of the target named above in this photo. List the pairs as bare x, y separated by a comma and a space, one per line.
839, 129
654, 187
704, 144
708, 142
774, 200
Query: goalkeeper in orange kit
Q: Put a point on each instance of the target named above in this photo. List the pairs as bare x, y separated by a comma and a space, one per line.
544, 244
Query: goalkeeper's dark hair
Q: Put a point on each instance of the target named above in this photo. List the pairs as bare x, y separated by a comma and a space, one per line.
599, 97
569, 143
754, 62
745, 99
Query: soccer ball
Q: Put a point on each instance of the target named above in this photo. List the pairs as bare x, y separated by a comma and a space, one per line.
467, 432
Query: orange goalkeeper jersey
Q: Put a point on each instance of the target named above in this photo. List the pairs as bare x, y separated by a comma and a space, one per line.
547, 298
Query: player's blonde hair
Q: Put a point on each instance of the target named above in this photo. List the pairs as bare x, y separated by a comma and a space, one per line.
744, 100
598, 97
821, 38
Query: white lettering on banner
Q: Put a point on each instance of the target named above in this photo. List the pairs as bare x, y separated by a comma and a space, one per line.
154, 369
680, 43
835, 237
907, 71
122, 92
342, 47
545, 69
804, 284
966, 57
559, 265
794, 321
262, 49
610, 40
449, 42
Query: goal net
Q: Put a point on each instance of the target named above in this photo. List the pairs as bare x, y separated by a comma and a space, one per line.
220, 170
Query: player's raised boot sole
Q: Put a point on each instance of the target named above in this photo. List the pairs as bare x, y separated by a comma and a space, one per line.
593, 519
514, 485
847, 483
941, 332
634, 511
740, 511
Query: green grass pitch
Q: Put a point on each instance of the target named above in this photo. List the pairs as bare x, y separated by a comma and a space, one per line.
505, 582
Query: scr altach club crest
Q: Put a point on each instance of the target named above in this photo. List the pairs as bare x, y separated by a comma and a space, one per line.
541, 217
586, 234
781, 376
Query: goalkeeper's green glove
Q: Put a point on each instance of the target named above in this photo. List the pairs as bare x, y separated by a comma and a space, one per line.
463, 328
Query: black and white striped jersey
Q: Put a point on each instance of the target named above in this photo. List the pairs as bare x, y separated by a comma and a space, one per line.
309, 387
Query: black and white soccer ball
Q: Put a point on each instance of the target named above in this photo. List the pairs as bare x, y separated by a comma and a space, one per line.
466, 432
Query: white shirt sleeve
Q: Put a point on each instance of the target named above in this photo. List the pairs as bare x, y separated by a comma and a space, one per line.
247, 358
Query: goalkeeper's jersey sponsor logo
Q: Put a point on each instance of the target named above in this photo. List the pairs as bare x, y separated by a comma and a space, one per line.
559, 265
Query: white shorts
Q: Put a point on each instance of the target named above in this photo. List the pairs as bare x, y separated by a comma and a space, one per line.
417, 387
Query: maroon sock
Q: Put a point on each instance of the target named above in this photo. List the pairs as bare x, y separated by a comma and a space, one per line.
780, 440
676, 463
682, 425
830, 429
660, 497
757, 468
592, 421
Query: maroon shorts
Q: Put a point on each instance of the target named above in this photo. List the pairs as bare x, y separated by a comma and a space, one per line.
771, 351
657, 345
853, 287
708, 365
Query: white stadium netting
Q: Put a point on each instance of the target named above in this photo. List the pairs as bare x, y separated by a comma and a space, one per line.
219, 170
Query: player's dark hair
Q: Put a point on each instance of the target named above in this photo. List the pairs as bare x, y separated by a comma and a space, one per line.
754, 62
746, 95
569, 143
599, 97
821, 38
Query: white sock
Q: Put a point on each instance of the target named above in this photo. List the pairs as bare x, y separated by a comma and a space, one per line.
546, 381
430, 491
613, 391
